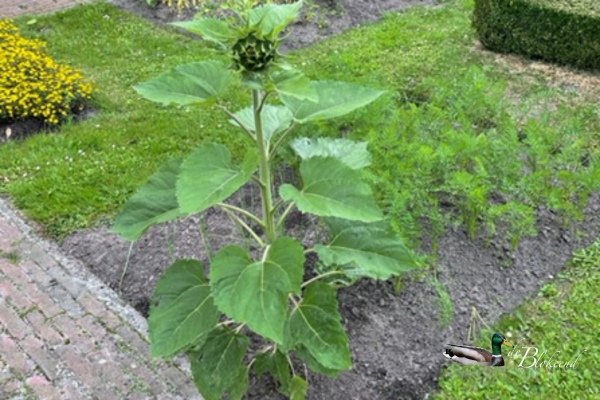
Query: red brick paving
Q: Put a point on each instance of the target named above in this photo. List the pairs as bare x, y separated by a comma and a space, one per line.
15, 8
64, 335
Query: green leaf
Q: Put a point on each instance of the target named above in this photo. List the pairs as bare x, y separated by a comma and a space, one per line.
275, 119
294, 84
271, 19
277, 364
208, 177
210, 29
185, 310
216, 366
188, 84
374, 250
298, 388
256, 292
332, 189
335, 99
353, 154
303, 353
155, 202
240, 385
316, 324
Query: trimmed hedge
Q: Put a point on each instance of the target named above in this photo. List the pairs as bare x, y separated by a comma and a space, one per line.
567, 32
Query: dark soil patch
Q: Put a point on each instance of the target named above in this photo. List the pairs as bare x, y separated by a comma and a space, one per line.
396, 340
327, 18
21, 128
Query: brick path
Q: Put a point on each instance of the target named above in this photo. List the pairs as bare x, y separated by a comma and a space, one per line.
14, 8
65, 336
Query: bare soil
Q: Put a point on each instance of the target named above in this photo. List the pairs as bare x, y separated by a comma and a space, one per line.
396, 339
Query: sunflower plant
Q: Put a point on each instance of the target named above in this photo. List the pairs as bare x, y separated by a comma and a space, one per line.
262, 292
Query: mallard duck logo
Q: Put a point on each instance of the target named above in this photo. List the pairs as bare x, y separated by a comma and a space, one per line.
469, 355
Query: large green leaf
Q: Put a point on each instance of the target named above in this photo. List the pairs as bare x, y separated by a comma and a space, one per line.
240, 384
256, 292
277, 364
303, 353
184, 311
373, 250
294, 84
335, 99
188, 84
332, 189
216, 366
211, 29
270, 19
155, 202
316, 324
208, 176
298, 388
353, 154
275, 119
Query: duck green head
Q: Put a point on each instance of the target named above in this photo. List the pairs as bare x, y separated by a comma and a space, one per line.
497, 341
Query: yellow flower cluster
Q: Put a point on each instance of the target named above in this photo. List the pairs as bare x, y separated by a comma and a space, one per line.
181, 4
32, 84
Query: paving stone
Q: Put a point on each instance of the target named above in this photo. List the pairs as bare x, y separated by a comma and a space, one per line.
10, 388
14, 356
10, 294
15, 8
42, 388
98, 309
44, 329
44, 359
133, 339
9, 234
73, 335
12, 322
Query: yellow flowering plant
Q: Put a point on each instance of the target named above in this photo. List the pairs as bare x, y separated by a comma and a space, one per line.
32, 84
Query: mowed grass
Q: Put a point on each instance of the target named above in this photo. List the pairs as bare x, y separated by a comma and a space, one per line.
563, 321
73, 178
457, 138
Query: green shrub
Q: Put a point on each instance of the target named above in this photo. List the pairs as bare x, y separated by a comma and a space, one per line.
553, 30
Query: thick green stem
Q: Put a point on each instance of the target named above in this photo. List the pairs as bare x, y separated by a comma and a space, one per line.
264, 169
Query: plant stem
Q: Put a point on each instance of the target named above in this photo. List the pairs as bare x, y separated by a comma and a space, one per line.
225, 323
233, 117
125, 268
243, 212
245, 226
285, 214
316, 278
264, 169
280, 140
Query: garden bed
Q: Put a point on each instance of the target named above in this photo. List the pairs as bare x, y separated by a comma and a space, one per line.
396, 340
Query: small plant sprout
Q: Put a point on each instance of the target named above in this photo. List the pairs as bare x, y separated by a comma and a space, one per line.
264, 291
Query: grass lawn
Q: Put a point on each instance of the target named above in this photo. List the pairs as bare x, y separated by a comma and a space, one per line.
563, 318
